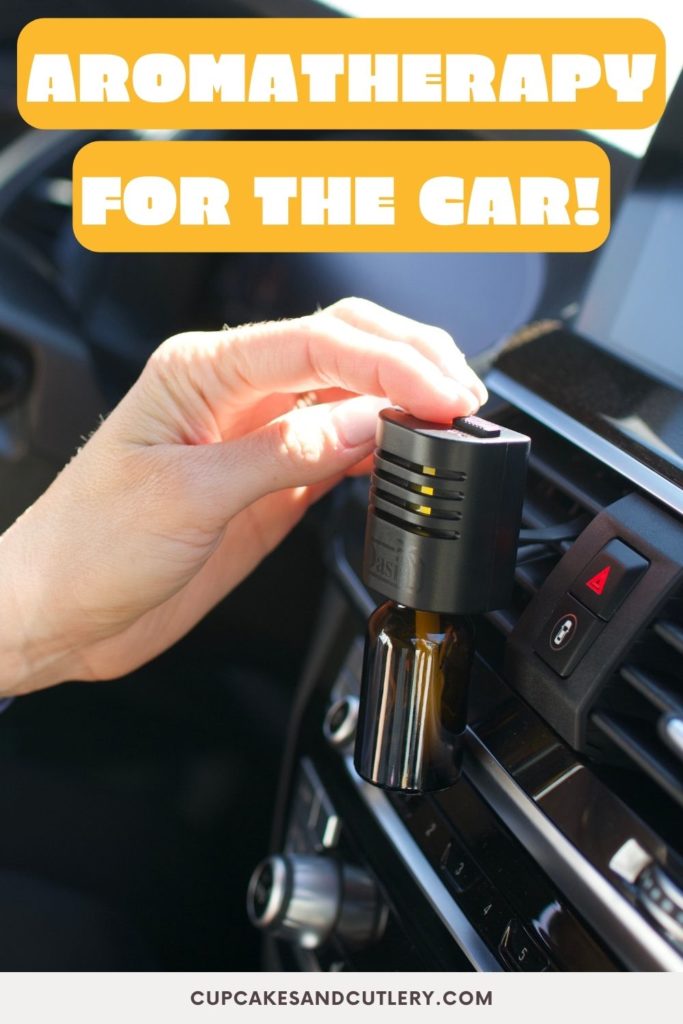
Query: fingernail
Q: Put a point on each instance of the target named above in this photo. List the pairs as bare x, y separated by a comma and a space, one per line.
466, 376
467, 401
477, 385
479, 389
356, 419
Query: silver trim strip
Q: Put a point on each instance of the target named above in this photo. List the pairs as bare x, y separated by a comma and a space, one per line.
642, 476
558, 781
469, 941
618, 923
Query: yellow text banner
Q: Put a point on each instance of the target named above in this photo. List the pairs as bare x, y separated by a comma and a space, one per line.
340, 73
333, 196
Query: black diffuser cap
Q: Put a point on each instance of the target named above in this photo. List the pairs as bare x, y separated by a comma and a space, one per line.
444, 513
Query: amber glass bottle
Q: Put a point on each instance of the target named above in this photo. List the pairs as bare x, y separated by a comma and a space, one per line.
414, 698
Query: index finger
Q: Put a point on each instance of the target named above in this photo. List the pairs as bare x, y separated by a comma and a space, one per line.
233, 368
434, 342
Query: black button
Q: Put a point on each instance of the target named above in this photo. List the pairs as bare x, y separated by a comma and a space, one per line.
567, 635
460, 871
518, 950
429, 831
477, 427
609, 578
488, 911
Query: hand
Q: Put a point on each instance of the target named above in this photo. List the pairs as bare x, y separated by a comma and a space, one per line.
204, 466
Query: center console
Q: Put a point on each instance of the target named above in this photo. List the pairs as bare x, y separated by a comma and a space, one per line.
560, 848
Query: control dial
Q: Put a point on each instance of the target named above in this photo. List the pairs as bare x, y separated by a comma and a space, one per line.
305, 899
339, 725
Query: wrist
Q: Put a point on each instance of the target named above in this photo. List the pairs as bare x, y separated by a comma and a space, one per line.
32, 655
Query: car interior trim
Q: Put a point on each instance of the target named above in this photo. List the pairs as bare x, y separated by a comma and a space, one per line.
616, 920
553, 418
428, 881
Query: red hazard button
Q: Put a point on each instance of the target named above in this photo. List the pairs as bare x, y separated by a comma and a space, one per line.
609, 578
597, 583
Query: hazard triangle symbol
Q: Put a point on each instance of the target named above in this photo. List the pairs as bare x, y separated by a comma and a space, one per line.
597, 583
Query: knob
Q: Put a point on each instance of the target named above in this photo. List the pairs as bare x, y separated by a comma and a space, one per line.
305, 899
339, 724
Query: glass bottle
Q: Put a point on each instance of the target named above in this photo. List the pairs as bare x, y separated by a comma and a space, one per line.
413, 708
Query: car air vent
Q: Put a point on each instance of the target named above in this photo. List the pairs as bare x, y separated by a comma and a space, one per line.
38, 216
565, 489
639, 719
633, 737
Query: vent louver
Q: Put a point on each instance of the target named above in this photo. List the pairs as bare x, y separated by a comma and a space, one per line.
641, 713
635, 739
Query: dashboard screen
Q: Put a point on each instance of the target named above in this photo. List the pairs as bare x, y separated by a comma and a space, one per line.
618, 368
634, 301
634, 304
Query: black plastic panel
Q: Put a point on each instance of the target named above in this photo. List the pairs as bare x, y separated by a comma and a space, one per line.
566, 704
497, 883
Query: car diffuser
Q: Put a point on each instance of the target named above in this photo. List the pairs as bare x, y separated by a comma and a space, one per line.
441, 543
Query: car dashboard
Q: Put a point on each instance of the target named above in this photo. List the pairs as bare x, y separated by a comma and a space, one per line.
560, 848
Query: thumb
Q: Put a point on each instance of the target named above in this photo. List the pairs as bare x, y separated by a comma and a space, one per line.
305, 446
